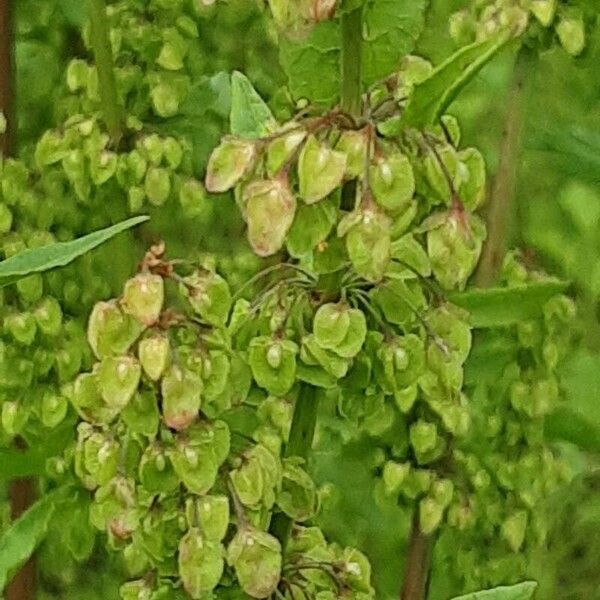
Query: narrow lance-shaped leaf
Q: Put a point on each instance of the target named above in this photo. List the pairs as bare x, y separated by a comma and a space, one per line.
38, 260
432, 97
21, 539
500, 307
250, 117
521, 591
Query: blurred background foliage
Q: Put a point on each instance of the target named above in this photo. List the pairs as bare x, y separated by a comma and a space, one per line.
555, 218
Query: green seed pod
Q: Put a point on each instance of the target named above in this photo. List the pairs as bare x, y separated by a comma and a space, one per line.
54, 409
282, 149
6, 219
514, 528
430, 515
331, 325
201, 563
394, 475
212, 514
256, 557
193, 199
270, 207
196, 467
110, 331
411, 254
354, 145
103, 167
22, 327
392, 182
276, 380
423, 437
472, 187
154, 354
215, 373
88, 402
297, 496
230, 162
136, 590
165, 100
454, 242
118, 380
181, 397
141, 415
320, 170
356, 571
156, 471
313, 354
157, 185
355, 337
209, 295
48, 316
543, 11
248, 480
312, 225
143, 297
571, 31
368, 244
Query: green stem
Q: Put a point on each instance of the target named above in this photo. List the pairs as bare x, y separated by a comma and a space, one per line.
300, 441
502, 198
100, 39
351, 85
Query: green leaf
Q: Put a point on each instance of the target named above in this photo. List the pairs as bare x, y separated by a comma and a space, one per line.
432, 97
21, 539
391, 29
571, 426
42, 259
313, 64
501, 307
250, 117
521, 591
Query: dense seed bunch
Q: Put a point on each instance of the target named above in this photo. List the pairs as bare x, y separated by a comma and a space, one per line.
545, 19
180, 443
378, 223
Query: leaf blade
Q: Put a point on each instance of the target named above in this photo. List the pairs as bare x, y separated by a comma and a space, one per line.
432, 97
250, 117
25, 534
38, 260
502, 307
521, 591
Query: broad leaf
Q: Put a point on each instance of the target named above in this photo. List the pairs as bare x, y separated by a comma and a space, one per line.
521, 591
42, 259
432, 97
391, 29
313, 64
501, 307
250, 117
21, 539
570, 425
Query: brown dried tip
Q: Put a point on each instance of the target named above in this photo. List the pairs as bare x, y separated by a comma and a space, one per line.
153, 261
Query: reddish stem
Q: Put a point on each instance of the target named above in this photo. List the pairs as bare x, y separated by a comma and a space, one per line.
418, 563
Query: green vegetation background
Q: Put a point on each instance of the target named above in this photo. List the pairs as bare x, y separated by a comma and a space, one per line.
556, 217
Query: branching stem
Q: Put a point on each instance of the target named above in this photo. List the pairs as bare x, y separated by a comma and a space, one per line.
100, 38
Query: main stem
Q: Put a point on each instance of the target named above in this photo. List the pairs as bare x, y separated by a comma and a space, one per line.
21, 491
418, 563
300, 441
503, 192
100, 39
7, 104
304, 419
351, 81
